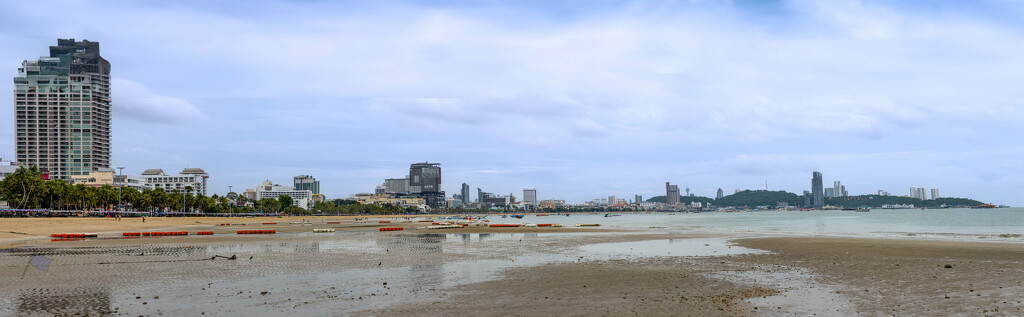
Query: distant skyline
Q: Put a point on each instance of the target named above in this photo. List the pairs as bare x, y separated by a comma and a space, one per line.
579, 100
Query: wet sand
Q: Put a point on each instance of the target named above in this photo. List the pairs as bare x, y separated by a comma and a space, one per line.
483, 271
14, 231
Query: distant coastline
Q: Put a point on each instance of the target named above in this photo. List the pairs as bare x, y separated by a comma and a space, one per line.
753, 198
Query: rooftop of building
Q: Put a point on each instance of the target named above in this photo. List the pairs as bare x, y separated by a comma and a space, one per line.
154, 171
193, 170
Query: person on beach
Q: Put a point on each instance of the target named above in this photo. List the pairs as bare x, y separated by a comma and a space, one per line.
143, 219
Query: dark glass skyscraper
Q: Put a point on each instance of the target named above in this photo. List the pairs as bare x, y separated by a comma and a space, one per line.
671, 194
306, 182
425, 181
817, 191
62, 110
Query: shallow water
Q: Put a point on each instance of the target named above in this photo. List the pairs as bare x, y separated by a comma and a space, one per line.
1004, 224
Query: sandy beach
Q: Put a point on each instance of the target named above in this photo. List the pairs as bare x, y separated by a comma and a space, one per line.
483, 271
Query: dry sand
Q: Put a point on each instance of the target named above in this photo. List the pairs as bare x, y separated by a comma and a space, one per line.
860, 276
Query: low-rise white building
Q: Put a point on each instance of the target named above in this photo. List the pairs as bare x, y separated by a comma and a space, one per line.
189, 177
300, 198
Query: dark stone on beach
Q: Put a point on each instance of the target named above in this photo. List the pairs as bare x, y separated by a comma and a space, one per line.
264, 293
948, 266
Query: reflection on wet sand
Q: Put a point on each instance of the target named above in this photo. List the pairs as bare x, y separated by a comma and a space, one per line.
423, 243
72, 301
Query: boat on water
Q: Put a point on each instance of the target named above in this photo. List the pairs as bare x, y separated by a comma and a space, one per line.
863, 209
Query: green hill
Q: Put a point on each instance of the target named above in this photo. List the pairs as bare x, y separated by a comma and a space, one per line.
749, 198
753, 198
877, 201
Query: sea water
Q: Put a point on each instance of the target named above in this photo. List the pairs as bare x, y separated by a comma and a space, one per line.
1003, 224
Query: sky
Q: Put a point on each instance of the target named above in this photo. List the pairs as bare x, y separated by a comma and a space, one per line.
578, 99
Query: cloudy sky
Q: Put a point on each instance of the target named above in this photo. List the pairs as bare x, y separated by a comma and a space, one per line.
579, 99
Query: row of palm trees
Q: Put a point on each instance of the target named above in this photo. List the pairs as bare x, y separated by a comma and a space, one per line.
25, 189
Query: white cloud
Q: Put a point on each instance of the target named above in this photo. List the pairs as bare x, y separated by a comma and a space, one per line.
135, 101
523, 84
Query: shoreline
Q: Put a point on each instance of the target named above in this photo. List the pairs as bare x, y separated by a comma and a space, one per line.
16, 231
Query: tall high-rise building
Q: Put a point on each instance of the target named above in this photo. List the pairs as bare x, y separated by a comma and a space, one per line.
306, 182
720, 194
396, 186
807, 198
935, 193
425, 181
919, 193
530, 196
62, 110
425, 178
465, 194
817, 190
638, 199
671, 194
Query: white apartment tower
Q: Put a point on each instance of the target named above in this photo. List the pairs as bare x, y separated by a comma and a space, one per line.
62, 110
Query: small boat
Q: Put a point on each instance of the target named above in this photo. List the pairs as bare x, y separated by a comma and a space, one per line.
863, 209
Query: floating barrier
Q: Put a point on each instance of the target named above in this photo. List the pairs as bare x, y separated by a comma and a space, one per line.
67, 239
544, 224
392, 229
426, 221
556, 225
204, 233
504, 225
131, 234
224, 224
384, 221
445, 227
323, 230
270, 223
333, 222
588, 225
257, 231
165, 233
72, 235
530, 225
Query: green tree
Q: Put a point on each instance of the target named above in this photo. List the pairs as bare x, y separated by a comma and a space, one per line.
54, 192
285, 200
268, 205
20, 188
130, 197
106, 196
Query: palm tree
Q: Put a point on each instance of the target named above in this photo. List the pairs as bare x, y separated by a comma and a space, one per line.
188, 190
130, 195
106, 196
